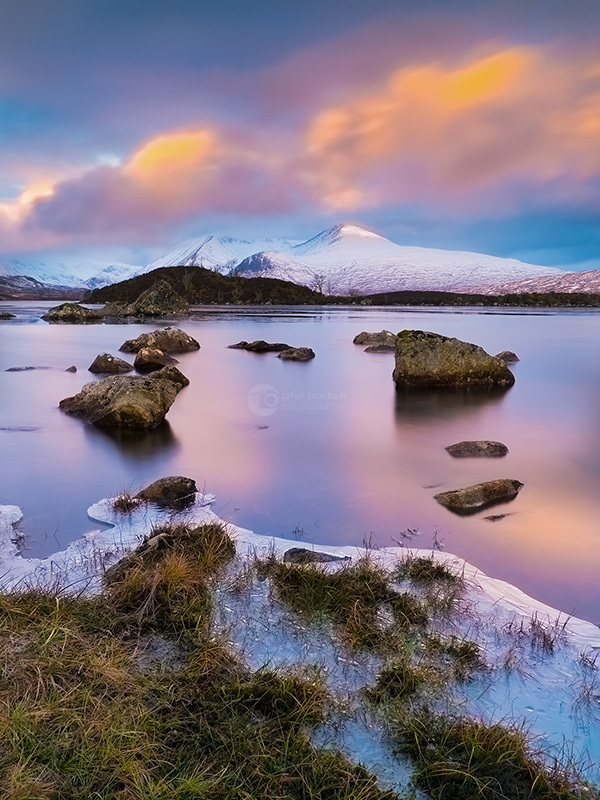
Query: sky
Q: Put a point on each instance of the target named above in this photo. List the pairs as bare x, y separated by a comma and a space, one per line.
128, 125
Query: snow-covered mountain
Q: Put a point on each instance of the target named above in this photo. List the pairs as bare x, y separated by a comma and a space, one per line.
585, 282
218, 253
91, 273
348, 259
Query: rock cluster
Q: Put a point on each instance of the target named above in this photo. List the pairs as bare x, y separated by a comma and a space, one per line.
159, 300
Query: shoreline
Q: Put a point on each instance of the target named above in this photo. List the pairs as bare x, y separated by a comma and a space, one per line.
541, 688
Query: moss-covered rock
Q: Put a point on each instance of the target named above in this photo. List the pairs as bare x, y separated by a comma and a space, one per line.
481, 495
425, 359
160, 300
297, 354
169, 340
480, 448
72, 313
379, 337
109, 365
169, 492
134, 403
149, 359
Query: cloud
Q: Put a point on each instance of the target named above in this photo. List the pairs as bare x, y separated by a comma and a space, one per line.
470, 136
496, 131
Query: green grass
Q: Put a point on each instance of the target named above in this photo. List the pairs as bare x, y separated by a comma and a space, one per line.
81, 719
463, 759
356, 597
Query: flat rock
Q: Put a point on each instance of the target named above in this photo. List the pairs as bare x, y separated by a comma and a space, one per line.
425, 359
128, 402
72, 313
149, 359
169, 340
477, 449
297, 354
481, 495
508, 357
110, 365
380, 348
380, 337
301, 555
170, 492
260, 346
5, 315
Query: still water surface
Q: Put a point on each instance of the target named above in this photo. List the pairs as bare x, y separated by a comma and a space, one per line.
327, 451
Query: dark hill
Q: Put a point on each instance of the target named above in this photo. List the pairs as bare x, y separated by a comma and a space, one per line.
201, 286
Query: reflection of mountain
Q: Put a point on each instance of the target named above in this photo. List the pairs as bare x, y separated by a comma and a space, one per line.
440, 405
138, 446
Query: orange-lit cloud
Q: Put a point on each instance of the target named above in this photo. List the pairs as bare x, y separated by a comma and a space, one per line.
442, 135
477, 135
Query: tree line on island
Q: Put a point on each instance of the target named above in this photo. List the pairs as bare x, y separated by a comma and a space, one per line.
201, 286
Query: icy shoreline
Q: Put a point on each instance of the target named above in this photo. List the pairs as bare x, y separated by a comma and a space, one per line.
556, 693
80, 566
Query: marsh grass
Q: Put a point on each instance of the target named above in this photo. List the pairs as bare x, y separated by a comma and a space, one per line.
125, 502
164, 583
462, 759
80, 718
441, 588
358, 598
464, 655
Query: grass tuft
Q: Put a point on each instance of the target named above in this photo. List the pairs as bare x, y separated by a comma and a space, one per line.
462, 759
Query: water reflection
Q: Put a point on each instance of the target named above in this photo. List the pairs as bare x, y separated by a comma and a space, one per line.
137, 446
422, 405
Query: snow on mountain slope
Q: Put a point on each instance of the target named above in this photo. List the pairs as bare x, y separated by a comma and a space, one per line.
348, 259
219, 253
68, 272
113, 273
588, 281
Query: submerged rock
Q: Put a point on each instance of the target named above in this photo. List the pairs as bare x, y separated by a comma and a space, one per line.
508, 357
481, 495
160, 300
170, 492
107, 364
130, 402
72, 313
260, 346
380, 337
425, 359
297, 354
380, 348
149, 359
477, 449
169, 340
301, 555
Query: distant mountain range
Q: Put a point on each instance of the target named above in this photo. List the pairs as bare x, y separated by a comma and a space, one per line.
344, 260
571, 282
